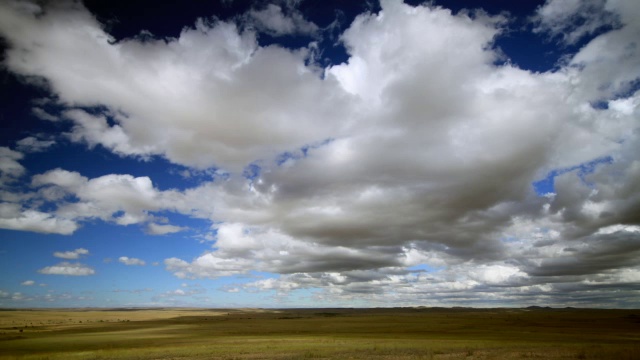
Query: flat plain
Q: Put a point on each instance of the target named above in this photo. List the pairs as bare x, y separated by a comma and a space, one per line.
379, 333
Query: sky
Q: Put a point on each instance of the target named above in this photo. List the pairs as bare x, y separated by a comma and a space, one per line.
309, 153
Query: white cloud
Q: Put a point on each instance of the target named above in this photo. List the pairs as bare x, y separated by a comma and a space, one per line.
71, 255
272, 20
197, 77
241, 249
10, 168
574, 19
28, 283
42, 114
160, 229
608, 65
131, 261
181, 293
16, 296
497, 274
31, 144
69, 269
32, 220
122, 199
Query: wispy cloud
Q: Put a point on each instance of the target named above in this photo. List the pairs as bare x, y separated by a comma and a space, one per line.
31, 144
131, 261
273, 20
71, 255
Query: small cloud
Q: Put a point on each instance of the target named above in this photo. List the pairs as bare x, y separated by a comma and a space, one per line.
131, 261
275, 22
10, 168
28, 283
31, 144
157, 229
66, 268
43, 115
181, 292
133, 291
207, 237
178, 292
71, 255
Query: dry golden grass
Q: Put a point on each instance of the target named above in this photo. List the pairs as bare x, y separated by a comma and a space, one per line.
320, 334
51, 319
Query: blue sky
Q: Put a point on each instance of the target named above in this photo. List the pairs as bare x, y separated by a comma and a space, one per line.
313, 154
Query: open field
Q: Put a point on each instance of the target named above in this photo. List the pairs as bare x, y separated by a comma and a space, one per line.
406, 333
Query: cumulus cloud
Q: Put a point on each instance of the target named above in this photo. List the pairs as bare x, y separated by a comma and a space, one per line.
71, 255
67, 268
178, 292
131, 261
15, 211
122, 199
229, 116
441, 175
28, 283
240, 250
14, 218
417, 151
115, 198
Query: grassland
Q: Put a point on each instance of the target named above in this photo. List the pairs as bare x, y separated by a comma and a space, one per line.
407, 333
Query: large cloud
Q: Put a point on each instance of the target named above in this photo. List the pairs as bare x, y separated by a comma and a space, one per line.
201, 100
419, 150
440, 159
122, 199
